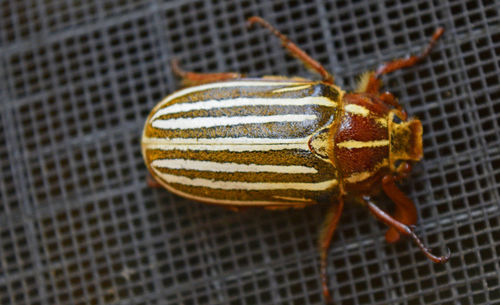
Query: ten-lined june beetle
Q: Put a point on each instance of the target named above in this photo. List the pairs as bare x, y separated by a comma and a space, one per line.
282, 142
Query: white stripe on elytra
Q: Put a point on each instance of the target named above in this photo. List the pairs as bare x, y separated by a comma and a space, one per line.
350, 144
207, 122
225, 144
232, 202
230, 167
232, 148
235, 84
226, 141
243, 101
249, 186
292, 88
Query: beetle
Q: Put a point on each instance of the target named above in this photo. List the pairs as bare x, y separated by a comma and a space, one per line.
280, 142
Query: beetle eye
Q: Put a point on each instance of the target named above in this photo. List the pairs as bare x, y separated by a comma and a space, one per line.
397, 163
396, 119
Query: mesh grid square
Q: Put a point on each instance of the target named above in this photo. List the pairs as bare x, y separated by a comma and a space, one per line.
78, 224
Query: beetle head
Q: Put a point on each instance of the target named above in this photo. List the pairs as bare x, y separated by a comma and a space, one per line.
405, 138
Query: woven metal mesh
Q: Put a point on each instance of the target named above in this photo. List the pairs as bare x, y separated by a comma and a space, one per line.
78, 225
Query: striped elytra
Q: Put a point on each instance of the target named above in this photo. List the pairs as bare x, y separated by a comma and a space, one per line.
252, 142
246, 142
280, 142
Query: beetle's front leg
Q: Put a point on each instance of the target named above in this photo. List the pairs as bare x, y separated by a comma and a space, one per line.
189, 79
405, 212
402, 229
401, 63
374, 83
325, 237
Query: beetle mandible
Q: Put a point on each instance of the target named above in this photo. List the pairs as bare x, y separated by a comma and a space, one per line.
280, 142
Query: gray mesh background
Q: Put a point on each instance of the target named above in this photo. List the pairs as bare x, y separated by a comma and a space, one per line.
78, 225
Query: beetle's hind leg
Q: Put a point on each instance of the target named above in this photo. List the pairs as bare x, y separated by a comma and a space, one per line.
402, 229
325, 237
373, 83
294, 50
189, 79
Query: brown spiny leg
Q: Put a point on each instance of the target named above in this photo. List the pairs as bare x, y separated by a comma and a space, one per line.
192, 78
294, 50
325, 237
374, 82
402, 229
406, 212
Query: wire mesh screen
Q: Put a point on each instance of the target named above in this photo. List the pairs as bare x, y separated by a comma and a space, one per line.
79, 225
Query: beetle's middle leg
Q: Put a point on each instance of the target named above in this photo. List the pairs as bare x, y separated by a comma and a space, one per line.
192, 78
295, 50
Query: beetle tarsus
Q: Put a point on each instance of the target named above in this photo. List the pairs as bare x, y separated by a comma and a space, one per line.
436, 259
324, 283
